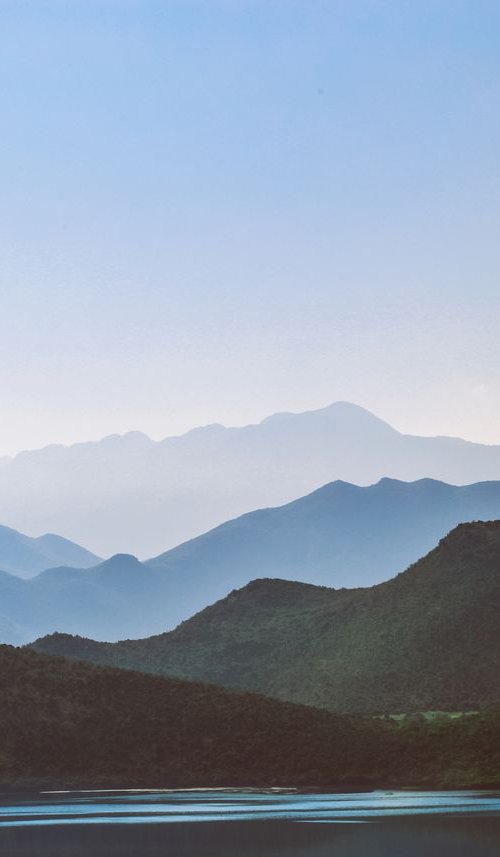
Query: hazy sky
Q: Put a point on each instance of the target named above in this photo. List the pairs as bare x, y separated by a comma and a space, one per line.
211, 211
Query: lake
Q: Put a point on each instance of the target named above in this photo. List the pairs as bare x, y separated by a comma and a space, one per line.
246, 823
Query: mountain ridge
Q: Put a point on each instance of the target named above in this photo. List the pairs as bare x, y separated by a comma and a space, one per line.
374, 529
26, 556
278, 416
142, 496
341, 535
117, 437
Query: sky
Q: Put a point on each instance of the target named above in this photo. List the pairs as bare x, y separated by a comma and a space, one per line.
213, 210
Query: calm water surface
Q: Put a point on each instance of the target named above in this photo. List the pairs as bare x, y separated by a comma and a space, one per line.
250, 824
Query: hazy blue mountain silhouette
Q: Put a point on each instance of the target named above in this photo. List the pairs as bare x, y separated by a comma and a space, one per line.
340, 535
134, 494
26, 556
429, 639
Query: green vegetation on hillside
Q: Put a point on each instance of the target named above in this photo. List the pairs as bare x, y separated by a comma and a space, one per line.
427, 640
70, 724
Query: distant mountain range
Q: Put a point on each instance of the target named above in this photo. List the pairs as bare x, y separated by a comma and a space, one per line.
25, 556
340, 535
133, 494
429, 639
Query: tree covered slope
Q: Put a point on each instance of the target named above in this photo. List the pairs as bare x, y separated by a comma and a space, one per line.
427, 639
67, 724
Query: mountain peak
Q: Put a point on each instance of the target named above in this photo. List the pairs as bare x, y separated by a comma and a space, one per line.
351, 411
472, 533
121, 562
26, 556
338, 412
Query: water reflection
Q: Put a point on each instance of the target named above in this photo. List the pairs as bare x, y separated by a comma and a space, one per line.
250, 824
201, 806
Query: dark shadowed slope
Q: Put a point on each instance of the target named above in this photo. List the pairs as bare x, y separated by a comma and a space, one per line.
428, 639
69, 724
25, 556
73, 724
133, 494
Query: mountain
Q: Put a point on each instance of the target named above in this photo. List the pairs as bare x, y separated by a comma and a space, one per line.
26, 556
429, 639
70, 725
65, 724
117, 597
341, 535
133, 494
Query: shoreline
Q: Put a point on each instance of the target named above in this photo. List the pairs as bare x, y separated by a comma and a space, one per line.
50, 790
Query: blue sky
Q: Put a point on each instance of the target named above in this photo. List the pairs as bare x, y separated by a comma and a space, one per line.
216, 210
